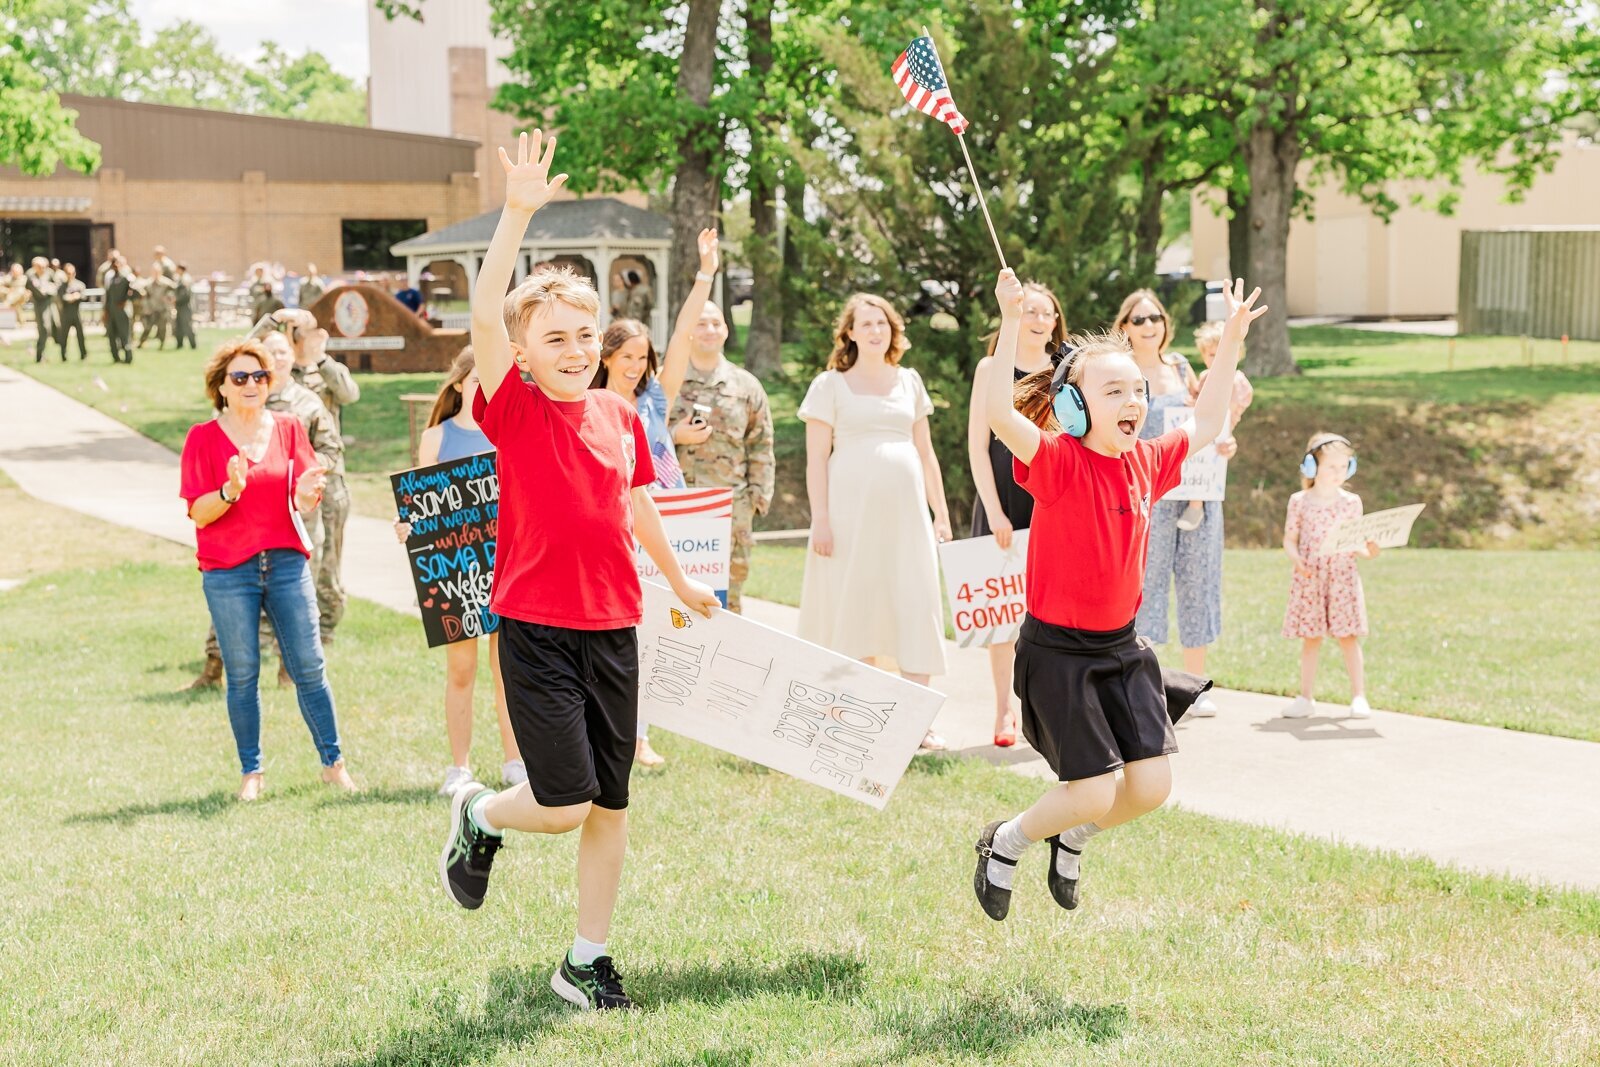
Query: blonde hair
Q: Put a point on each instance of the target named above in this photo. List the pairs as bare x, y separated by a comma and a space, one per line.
843, 356
1033, 397
447, 405
1126, 311
1058, 332
1316, 443
217, 366
1209, 335
543, 288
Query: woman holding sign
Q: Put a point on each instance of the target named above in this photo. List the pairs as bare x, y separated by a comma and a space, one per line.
871, 584
1003, 507
1189, 559
452, 433
248, 477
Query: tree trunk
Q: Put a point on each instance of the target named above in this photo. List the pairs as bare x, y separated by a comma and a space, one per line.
1271, 156
1238, 233
1147, 225
762, 352
794, 215
695, 185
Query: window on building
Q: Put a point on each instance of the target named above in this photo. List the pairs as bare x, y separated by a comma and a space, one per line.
367, 241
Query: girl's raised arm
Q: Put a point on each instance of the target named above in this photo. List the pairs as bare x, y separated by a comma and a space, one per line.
1014, 430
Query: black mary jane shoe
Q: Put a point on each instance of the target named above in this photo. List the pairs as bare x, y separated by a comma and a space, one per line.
996, 902
1065, 890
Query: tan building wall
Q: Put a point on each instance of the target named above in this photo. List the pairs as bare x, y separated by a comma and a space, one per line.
1344, 261
223, 191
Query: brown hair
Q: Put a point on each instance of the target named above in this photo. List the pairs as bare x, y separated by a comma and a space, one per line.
619, 333
1033, 396
542, 288
1126, 311
1316, 443
217, 366
843, 356
447, 405
1058, 332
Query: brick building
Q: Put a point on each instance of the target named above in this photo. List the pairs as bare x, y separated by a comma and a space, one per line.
222, 191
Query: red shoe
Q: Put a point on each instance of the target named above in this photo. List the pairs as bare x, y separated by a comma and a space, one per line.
1004, 740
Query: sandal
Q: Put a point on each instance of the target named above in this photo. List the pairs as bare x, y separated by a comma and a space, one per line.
932, 742
251, 785
335, 775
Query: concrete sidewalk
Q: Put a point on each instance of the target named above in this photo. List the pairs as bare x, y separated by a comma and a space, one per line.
1476, 797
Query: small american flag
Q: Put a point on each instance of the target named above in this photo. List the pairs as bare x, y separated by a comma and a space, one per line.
921, 79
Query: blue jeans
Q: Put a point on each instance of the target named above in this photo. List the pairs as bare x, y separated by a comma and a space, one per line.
1191, 560
279, 581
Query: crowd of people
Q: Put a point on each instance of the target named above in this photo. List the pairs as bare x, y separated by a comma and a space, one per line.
1068, 438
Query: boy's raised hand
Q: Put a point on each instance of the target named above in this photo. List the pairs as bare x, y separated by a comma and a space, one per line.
529, 186
1008, 290
1241, 309
707, 245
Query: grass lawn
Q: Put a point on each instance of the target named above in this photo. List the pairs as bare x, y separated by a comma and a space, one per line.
151, 920
1455, 634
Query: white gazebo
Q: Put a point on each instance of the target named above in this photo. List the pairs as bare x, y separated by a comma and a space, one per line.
596, 230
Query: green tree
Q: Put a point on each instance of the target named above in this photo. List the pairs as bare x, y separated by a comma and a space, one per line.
1363, 93
36, 132
98, 48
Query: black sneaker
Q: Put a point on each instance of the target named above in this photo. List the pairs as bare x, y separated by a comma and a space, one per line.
1065, 890
468, 852
996, 901
596, 987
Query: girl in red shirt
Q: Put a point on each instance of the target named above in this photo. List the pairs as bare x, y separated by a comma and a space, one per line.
1092, 694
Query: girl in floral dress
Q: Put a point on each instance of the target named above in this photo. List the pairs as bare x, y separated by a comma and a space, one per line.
1325, 598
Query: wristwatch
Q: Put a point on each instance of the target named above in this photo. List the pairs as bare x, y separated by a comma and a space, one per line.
223, 493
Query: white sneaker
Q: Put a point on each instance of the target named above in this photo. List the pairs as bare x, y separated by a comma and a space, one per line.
1204, 708
1299, 708
1360, 709
454, 779
513, 772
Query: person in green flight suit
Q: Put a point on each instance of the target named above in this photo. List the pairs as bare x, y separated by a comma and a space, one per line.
183, 308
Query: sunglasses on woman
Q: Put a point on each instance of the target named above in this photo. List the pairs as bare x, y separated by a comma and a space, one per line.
239, 377
1140, 320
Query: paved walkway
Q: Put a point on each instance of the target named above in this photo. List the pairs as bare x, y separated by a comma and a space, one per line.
1472, 796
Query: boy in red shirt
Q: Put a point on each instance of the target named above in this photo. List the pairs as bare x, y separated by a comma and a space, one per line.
573, 465
1092, 696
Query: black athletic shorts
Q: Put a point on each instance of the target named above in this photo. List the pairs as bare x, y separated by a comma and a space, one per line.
1091, 700
573, 697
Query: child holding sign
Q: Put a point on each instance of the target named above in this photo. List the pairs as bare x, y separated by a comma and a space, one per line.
1092, 696
1325, 597
574, 466
453, 433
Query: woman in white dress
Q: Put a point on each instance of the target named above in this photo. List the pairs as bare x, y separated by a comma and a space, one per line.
871, 585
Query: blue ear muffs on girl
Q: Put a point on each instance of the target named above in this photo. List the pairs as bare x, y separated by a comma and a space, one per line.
1308, 465
1071, 411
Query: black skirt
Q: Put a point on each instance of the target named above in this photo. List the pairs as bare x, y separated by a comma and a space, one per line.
1093, 701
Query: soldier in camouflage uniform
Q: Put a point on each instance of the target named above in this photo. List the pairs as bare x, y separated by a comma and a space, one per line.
334, 385
313, 287
262, 300
723, 428
159, 300
303, 404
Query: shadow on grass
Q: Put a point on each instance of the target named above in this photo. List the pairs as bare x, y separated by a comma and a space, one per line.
207, 807
414, 794
520, 1005
989, 1026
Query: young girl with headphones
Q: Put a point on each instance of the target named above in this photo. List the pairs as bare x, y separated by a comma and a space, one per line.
1093, 701
1325, 598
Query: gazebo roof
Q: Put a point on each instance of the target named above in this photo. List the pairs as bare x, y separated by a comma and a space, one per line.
587, 221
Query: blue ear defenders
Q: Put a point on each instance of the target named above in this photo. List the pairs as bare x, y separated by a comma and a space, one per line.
1071, 411
1308, 465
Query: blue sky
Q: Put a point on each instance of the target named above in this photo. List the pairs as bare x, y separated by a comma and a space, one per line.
336, 28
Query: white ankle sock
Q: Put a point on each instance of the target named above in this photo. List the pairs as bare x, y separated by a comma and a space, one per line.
479, 816
1010, 842
584, 952
1067, 863
1078, 836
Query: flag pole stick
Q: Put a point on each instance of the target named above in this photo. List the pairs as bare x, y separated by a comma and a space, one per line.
983, 201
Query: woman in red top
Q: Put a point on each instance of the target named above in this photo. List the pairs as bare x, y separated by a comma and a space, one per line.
248, 475
1093, 701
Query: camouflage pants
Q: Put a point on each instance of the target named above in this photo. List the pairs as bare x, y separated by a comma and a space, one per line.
744, 518
327, 559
